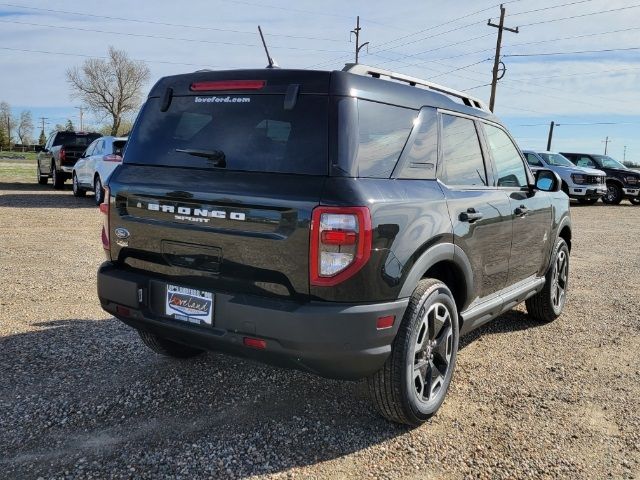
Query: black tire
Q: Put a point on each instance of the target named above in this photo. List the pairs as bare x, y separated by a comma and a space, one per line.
98, 190
420, 348
57, 177
635, 200
77, 190
613, 195
587, 201
167, 347
42, 179
547, 305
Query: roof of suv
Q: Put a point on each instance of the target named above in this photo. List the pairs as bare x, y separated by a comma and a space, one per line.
339, 83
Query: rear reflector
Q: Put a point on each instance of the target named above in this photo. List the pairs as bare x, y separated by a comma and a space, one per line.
254, 343
385, 322
124, 311
227, 85
104, 208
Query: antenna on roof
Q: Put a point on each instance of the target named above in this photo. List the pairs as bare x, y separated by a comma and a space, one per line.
272, 62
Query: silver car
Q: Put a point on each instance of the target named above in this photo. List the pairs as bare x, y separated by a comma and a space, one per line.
94, 168
584, 184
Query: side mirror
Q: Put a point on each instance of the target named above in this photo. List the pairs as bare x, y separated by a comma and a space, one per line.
548, 181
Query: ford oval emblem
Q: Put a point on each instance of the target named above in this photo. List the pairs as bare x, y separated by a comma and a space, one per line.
122, 233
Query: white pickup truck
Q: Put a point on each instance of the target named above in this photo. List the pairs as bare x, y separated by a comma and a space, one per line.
93, 169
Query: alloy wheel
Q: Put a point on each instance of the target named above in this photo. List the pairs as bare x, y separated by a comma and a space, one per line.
559, 280
432, 353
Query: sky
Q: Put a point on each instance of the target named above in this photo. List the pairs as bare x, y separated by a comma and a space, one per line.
592, 94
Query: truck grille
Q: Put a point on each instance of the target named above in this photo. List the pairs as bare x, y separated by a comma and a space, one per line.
595, 180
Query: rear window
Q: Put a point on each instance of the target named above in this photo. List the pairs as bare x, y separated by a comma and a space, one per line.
72, 138
250, 132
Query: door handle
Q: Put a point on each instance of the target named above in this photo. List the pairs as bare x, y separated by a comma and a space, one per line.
470, 215
521, 211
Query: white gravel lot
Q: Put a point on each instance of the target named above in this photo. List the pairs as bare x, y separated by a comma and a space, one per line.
81, 397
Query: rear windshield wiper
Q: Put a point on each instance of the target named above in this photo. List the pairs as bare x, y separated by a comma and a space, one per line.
217, 156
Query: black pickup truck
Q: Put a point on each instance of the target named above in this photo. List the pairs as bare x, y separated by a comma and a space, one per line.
59, 154
336, 222
622, 182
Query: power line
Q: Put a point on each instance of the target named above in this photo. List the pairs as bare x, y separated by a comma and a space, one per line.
572, 37
47, 52
551, 7
572, 53
166, 24
161, 37
552, 20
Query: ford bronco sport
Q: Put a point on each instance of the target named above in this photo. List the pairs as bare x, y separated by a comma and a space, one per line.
349, 223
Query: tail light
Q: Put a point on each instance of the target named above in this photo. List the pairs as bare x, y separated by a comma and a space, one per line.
112, 158
104, 208
63, 154
340, 243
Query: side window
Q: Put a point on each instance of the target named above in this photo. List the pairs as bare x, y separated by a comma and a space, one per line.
510, 168
420, 155
99, 148
90, 149
462, 162
585, 162
533, 160
382, 132
47, 145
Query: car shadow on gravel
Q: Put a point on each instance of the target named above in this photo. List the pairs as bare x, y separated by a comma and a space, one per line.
86, 394
43, 199
512, 321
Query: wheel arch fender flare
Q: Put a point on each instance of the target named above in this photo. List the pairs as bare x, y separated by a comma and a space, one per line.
438, 253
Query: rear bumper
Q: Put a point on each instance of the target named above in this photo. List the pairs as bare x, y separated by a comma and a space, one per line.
631, 192
335, 340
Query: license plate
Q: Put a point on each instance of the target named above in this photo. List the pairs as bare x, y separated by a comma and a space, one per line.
189, 305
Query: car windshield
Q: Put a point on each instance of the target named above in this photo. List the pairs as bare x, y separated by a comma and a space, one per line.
556, 160
608, 162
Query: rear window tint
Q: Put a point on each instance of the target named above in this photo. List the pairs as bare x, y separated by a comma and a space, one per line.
254, 134
72, 138
382, 133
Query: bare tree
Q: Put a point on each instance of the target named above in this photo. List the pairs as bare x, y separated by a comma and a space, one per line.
25, 127
7, 122
110, 87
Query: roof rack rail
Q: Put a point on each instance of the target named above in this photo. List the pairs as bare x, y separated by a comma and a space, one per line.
365, 70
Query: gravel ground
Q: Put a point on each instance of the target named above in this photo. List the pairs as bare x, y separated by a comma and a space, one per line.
81, 397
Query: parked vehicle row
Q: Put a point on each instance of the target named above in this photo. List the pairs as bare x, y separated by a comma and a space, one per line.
587, 177
88, 159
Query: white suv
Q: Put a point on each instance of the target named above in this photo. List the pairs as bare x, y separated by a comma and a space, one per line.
95, 166
586, 185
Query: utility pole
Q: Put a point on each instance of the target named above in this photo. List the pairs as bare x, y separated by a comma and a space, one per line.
81, 111
550, 136
356, 31
606, 142
624, 153
496, 61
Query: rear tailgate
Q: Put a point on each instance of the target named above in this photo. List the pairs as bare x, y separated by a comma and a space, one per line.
244, 232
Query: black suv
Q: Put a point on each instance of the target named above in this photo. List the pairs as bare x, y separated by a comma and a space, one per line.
622, 182
337, 222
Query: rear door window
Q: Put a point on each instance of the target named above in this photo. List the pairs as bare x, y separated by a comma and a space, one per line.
250, 132
462, 161
420, 155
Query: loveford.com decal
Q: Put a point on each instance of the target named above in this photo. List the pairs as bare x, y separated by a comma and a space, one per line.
222, 100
